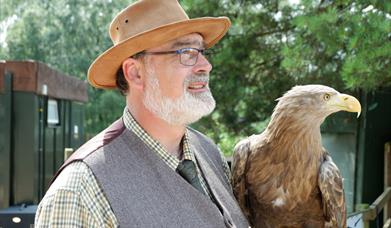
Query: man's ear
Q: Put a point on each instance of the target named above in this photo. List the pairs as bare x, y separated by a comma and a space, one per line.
132, 69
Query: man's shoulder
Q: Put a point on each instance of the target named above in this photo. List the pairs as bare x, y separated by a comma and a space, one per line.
76, 177
75, 197
100, 140
104, 138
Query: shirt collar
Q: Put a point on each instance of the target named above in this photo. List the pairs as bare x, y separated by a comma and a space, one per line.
172, 161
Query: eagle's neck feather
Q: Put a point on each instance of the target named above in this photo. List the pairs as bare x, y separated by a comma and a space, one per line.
295, 141
289, 130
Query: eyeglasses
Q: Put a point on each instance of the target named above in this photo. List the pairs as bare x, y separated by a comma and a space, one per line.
187, 56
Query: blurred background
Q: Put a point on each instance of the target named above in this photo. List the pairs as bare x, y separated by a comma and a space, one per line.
271, 46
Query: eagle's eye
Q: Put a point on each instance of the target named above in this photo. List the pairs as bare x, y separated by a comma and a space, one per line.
326, 97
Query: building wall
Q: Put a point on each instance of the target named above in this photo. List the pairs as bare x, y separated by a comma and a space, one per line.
37, 148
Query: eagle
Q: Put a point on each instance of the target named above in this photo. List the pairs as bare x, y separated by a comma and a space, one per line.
284, 177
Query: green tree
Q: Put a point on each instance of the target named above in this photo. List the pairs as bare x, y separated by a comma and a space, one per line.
271, 46
345, 41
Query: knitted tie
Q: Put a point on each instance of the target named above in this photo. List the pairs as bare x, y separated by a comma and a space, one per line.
188, 171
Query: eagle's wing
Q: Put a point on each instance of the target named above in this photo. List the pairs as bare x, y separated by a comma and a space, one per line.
238, 170
333, 198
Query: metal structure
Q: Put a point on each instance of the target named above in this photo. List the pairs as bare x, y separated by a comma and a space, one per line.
41, 114
372, 214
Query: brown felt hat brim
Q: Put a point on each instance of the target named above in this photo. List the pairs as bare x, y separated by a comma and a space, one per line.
102, 72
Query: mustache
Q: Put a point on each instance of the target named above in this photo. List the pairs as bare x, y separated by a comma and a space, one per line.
202, 77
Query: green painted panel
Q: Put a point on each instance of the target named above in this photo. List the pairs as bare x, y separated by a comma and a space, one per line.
67, 124
31, 150
50, 141
5, 141
25, 150
77, 128
60, 140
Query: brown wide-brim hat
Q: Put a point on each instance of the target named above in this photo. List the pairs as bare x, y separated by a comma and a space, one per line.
147, 24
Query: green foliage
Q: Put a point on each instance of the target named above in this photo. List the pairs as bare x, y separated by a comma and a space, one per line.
274, 45
348, 42
271, 46
106, 108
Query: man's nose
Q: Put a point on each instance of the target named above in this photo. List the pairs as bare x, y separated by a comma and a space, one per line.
202, 65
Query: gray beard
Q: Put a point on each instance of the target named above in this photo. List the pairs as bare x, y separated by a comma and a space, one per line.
183, 110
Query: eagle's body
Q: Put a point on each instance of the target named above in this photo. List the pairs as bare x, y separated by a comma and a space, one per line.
284, 177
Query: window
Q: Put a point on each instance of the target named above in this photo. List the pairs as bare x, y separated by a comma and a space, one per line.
52, 114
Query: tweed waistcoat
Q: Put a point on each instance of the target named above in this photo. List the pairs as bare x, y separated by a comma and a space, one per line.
144, 192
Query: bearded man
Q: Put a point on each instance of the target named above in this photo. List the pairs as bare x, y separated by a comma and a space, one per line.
149, 169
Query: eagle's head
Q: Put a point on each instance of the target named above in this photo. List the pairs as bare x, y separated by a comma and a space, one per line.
311, 104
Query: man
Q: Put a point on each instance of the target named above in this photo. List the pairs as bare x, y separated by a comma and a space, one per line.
149, 169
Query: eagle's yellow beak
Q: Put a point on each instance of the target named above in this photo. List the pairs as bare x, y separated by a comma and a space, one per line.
346, 103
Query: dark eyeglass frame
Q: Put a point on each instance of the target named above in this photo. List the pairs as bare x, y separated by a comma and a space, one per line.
181, 52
